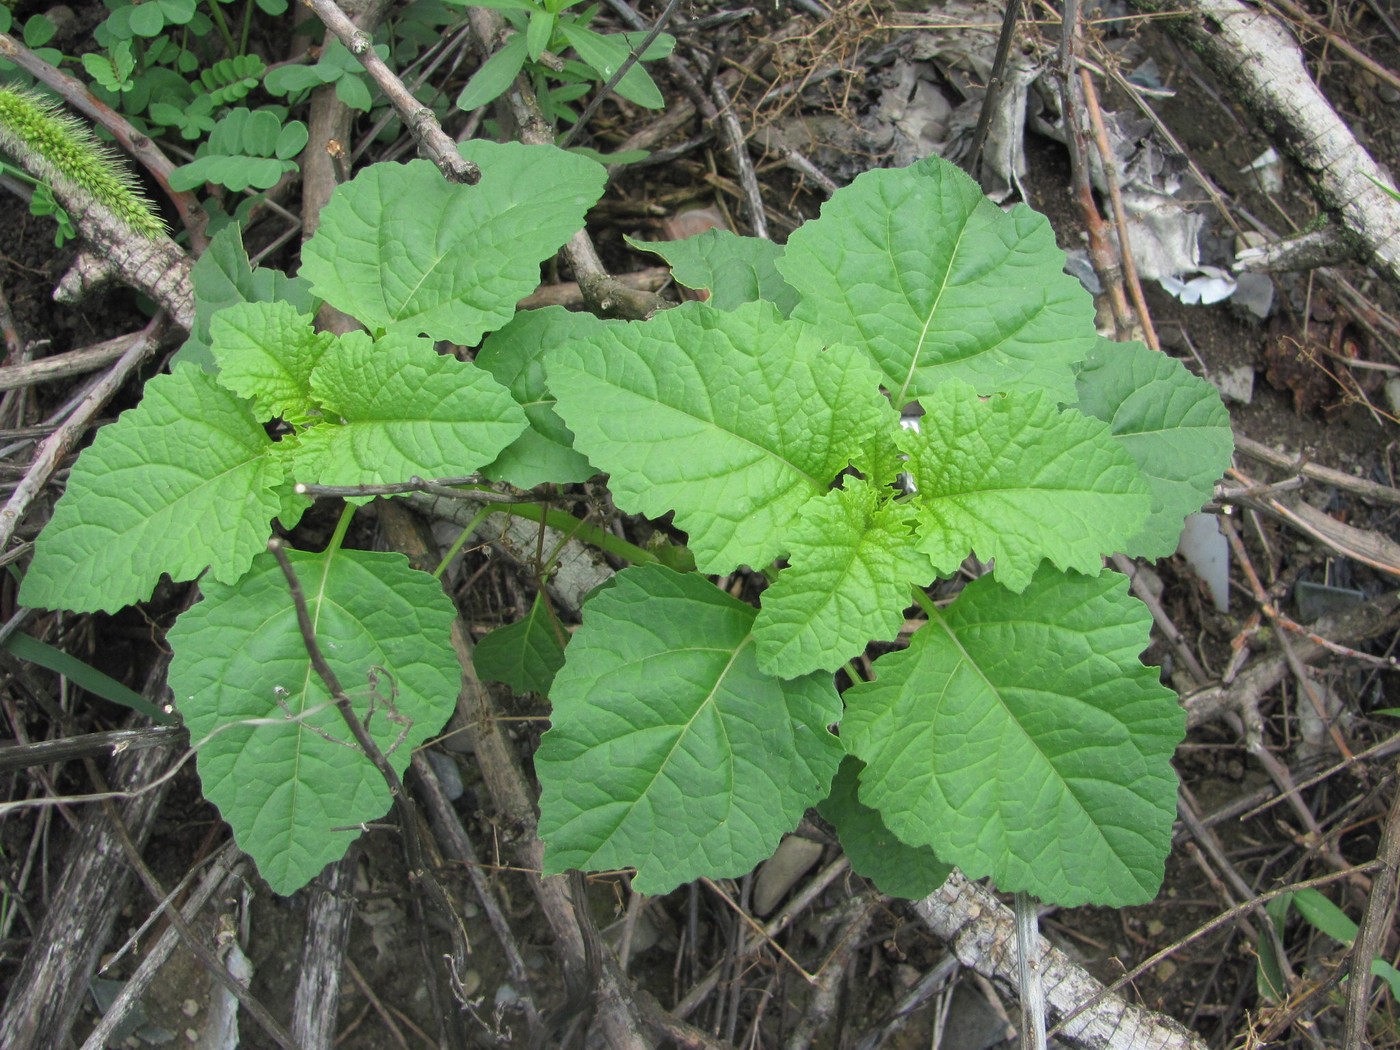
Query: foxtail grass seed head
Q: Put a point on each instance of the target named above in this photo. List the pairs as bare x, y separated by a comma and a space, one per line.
62, 151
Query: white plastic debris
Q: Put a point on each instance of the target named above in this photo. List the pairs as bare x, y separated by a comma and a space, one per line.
1267, 170
1211, 285
1208, 553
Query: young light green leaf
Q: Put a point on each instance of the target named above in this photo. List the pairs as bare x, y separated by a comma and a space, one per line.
897, 869
1020, 737
1172, 423
266, 352
525, 655
185, 480
401, 248
734, 269
670, 751
545, 452
223, 277
937, 283
405, 411
852, 560
273, 753
1018, 480
695, 410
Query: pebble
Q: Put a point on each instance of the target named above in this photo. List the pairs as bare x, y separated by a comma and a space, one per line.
448, 774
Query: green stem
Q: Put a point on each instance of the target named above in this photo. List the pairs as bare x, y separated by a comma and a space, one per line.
341, 527
222, 24
587, 532
247, 27
926, 604
485, 512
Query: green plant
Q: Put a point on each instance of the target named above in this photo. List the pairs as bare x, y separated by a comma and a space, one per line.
544, 29
1017, 735
1326, 918
65, 153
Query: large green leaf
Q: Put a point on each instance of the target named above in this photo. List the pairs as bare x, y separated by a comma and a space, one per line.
1172, 423
735, 270
399, 247
402, 410
852, 561
525, 655
1019, 736
1018, 480
273, 753
898, 869
266, 352
733, 420
670, 751
187, 480
938, 283
222, 277
545, 452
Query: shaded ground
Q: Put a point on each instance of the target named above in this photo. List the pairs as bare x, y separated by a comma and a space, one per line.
1314, 405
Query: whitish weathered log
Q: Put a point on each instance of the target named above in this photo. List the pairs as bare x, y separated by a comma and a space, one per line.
1254, 54
982, 933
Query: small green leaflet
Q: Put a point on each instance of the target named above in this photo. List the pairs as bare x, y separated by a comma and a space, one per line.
694, 411
1172, 423
273, 753
937, 283
401, 248
266, 352
525, 655
1019, 736
545, 452
735, 270
1018, 480
399, 409
223, 277
187, 480
910, 872
852, 561
670, 751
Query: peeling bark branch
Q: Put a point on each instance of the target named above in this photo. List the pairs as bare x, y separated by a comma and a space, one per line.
982, 933
1256, 57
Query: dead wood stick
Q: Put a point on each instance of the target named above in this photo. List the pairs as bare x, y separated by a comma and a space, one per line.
458, 846
1092, 1002
324, 161
1120, 214
190, 940
72, 363
981, 932
224, 874
1371, 933
142, 147
739, 150
1101, 253
88, 745
590, 981
858, 914
1263, 65
432, 141
58, 444
770, 929
1299, 463
421, 873
328, 915
50, 988
1340, 42
1377, 618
